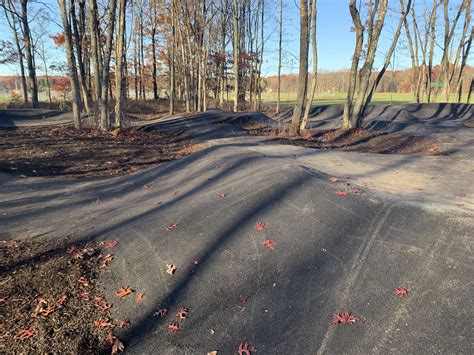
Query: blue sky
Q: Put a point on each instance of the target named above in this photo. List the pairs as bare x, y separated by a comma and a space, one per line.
335, 40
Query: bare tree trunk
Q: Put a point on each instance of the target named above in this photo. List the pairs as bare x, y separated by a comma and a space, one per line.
314, 15
432, 35
303, 70
280, 39
71, 65
172, 60
236, 56
29, 53
466, 50
119, 50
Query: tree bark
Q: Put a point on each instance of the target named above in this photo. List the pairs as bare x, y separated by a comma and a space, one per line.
280, 39
120, 48
236, 56
303, 70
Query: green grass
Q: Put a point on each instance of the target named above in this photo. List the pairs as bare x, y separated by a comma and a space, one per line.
289, 98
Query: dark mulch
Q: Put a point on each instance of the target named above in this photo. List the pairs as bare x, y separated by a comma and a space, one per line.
66, 152
50, 298
363, 141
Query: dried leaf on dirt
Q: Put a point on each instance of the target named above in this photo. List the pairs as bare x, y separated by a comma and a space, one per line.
260, 226
123, 291
111, 338
223, 194
170, 269
343, 319
123, 323
117, 347
174, 327
342, 193
161, 312
102, 323
171, 227
269, 244
400, 292
182, 313
26, 333
139, 298
109, 243
246, 349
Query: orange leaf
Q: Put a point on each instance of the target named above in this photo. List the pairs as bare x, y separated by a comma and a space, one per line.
102, 323
110, 338
26, 333
123, 323
139, 297
341, 193
124, 291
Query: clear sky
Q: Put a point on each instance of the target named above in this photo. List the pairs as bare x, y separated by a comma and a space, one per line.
335, 40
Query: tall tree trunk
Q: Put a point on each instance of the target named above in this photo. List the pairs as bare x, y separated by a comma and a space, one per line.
172, 60
119, 51
236, 56
314, 15
29, 53
303, 70
280, 39
76, 97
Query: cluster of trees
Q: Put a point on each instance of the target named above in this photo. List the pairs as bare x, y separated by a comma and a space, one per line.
116, 49
369, 20
198, 51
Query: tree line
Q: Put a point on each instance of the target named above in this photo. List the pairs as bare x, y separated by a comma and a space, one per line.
210, 52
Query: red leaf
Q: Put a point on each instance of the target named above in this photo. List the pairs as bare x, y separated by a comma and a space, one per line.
161, 312
124, 291
223, 194
269, 244
245, 349
62, 299
343, 319
182, 313
400, 292
72, 249
26, 333
104, 307
47, 311
174, 327
106, 260
171, 227
98, 298
260, 226
342, 193
109, 243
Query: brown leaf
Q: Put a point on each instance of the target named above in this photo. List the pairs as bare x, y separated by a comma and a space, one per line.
117, 347
170, 269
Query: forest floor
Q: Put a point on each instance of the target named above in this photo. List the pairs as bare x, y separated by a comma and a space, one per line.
197, 254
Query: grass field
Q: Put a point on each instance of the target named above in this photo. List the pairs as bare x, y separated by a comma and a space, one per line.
289, 98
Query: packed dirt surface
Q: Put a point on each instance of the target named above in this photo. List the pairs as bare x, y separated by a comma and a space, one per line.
65, 152
249, 244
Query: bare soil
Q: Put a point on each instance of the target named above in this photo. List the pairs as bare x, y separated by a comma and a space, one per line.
362, 141
65, 152
50, 298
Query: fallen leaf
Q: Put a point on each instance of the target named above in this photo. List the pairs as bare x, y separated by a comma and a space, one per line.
39, 307
106, 260
161, 312
334, 180
105, 307
109, 243
123, 323
111, 338
196, 261
342, 193
170, 269
102, 323
26, 333
269, 244
62, 299
174, 327
182, 313
124, 291
343, 319
146, 186
171, 227
98, 299
139, 297
245, 349
117, 347
72, 249
400, 292
223, 194
83, 281
242, 302
212, 352
47, 311
260, 226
